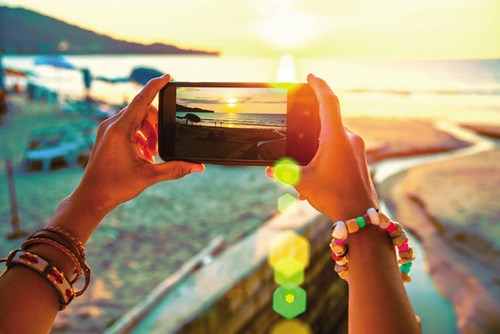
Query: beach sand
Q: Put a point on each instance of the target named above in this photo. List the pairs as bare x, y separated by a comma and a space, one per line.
453, 208
146, 239
228, 143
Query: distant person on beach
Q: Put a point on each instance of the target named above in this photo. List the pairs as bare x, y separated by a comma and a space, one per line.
121, 166
3, 107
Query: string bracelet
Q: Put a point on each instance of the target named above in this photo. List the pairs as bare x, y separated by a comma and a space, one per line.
341, 230
70, 241
47, 270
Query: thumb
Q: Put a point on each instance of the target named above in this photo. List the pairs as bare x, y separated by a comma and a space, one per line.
173, 170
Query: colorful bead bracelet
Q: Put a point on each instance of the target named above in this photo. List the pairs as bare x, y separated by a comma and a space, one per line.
341, 230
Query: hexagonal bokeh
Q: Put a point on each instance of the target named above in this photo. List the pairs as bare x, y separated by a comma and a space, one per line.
286, 201
287, 171
294, 326
289, 271
289, 301
289, 244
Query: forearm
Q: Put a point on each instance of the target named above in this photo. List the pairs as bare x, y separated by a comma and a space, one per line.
28, 302
378, 302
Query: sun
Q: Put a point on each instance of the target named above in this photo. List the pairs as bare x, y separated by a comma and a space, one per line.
231, 102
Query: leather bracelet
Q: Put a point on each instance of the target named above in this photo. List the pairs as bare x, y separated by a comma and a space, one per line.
47, 270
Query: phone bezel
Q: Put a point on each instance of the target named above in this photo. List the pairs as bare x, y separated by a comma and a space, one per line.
300, 92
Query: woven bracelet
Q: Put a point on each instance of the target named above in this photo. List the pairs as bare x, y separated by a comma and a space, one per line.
47, 270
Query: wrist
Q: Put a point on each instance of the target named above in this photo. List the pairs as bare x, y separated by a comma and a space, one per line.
79, 218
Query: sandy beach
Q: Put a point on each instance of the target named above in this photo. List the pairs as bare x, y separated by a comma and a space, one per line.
146, 239
452, 207
229, 143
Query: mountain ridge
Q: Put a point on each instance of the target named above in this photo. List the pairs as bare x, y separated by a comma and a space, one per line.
23, 31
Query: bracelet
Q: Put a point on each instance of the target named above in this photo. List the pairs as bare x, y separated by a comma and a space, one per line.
341, 230
35, 241
47, 270
70, 241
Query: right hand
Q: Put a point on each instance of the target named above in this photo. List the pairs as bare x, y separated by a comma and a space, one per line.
336, 182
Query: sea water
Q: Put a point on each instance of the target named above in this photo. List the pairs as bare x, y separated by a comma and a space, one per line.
458, 90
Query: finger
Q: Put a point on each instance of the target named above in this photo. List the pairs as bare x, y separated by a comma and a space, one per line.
142, 144
138, 109
301, 197
329, 107
149, 131
175, 169
269, 172
152, 115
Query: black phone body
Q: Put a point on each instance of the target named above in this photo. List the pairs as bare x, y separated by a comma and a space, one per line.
252, 124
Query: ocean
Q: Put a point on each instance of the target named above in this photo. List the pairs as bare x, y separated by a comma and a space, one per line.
239, 120
449, 89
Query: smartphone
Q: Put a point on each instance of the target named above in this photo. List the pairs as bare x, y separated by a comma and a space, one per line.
252, 124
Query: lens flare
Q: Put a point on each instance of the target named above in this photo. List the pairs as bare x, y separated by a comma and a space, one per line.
287, 171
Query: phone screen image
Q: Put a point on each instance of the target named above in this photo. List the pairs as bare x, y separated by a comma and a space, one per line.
231, 123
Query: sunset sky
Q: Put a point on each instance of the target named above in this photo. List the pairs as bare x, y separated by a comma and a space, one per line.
235, 100
345, 29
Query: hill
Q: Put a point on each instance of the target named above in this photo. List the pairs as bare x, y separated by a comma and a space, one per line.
24, 31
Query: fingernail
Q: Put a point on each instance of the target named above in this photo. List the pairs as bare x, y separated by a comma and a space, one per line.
198, 168
165, 75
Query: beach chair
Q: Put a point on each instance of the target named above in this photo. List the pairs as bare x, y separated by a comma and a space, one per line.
47, 144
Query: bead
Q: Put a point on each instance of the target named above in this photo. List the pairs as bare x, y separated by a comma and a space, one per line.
406, 278
344, 274
342, 261
352, 226
339, 242
396, 232
406, 254
335, 257
337, 249
391, 227
405, 267
384, 221
339, 231
398, 241
342, 254
404, 247
403, 261
361, 222
373, 214
339, 268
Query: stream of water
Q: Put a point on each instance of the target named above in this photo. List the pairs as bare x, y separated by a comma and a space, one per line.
436, 312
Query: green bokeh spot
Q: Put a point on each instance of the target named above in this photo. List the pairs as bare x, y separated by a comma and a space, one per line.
283, 307
287, 171
285, 202
289, 271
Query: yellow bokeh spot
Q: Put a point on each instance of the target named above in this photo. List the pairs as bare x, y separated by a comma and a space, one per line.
289, 298
289, 244
287, 171
286, 201
294, 326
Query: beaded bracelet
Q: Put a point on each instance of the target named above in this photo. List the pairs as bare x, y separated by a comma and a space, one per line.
47, 270
341, 230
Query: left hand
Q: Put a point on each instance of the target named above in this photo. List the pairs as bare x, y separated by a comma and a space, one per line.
121, 164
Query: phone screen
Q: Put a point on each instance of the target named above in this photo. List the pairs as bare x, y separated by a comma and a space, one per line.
237, 123
231, 123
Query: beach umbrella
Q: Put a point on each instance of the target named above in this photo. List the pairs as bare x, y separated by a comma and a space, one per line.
142, 75
55, 61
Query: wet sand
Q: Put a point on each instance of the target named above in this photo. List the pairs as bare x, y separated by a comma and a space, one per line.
453, 208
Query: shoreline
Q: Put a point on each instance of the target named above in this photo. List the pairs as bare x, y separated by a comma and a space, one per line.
459, 258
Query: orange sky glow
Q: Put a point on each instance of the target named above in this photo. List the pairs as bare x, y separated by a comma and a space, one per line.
390, 29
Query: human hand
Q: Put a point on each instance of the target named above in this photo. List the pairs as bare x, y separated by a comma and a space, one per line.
121, 164
336, 182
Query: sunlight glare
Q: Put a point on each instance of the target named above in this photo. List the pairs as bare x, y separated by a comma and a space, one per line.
286, 69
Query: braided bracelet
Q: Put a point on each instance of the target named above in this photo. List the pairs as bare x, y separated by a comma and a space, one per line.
341, 230
47, 270
35, 241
